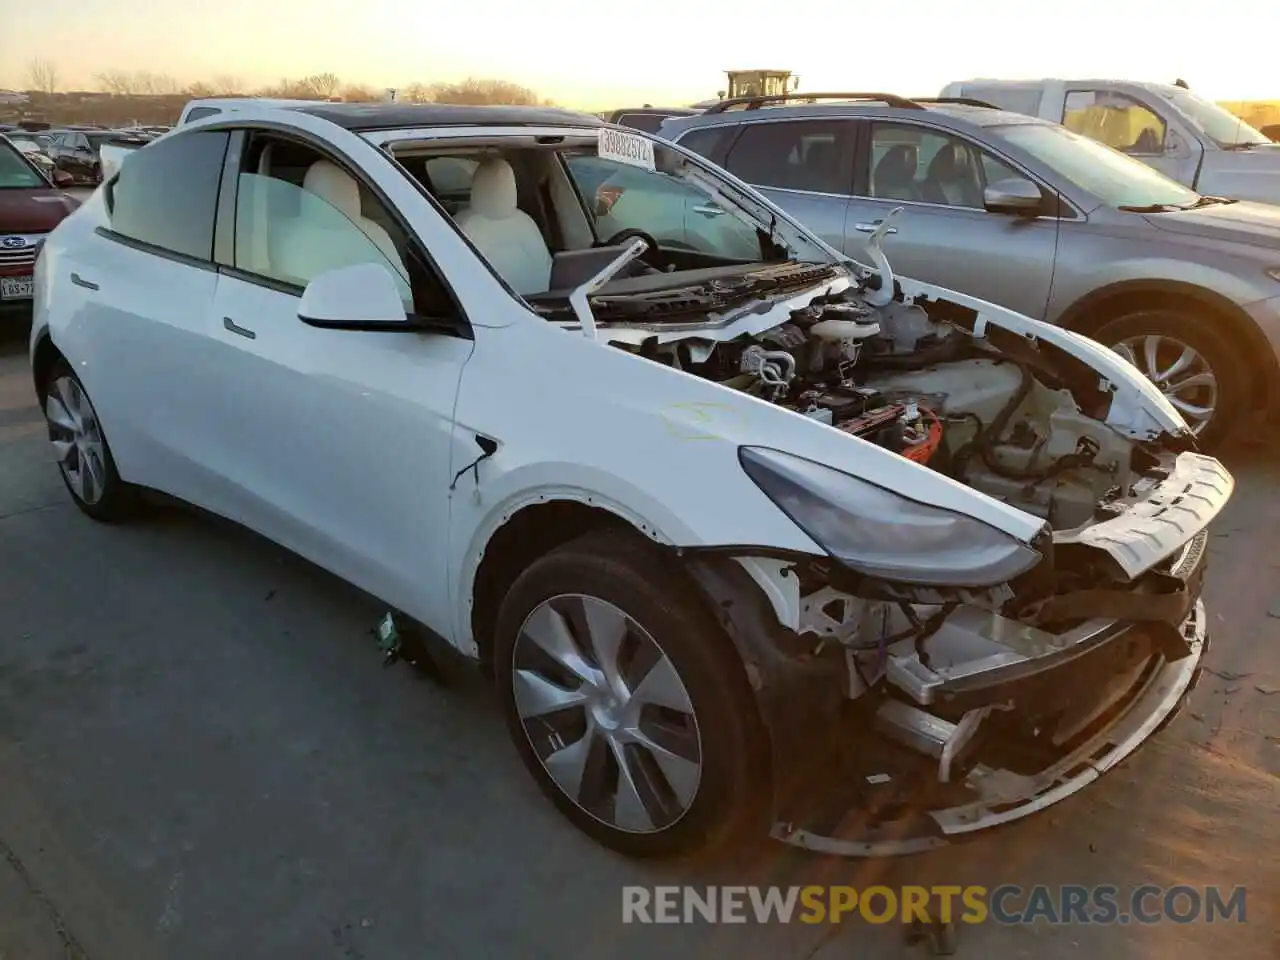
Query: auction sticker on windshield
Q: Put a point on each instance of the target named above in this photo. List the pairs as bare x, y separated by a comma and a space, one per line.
626, 148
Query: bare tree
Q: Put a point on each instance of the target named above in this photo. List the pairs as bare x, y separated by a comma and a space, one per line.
322, 85
358, 93
480, 91
416, 93
226, 85
116, 82
43, 75
140, 83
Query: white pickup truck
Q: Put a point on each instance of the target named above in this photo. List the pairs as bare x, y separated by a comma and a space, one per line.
1181, 134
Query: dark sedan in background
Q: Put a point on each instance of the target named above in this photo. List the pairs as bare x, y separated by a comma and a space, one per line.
76, 152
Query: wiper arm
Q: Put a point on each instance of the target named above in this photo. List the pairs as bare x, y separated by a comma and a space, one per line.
1209, 202
1149, 208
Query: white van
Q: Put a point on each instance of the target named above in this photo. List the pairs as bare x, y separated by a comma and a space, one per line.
1167, 126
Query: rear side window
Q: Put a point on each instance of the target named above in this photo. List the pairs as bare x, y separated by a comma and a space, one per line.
166, 194
199, 113
793, 155
648, 122
705, 141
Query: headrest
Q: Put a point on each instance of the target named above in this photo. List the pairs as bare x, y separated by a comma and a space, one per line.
899, 161
493, 189
335, 186
949, 162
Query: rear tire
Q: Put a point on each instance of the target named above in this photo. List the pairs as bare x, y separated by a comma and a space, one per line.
84, 458
1195, 367
627, 703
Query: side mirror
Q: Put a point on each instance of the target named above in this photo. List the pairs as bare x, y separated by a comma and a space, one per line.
1015, 195
362, 296
62, 179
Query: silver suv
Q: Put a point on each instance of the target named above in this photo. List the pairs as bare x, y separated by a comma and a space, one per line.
1026, 214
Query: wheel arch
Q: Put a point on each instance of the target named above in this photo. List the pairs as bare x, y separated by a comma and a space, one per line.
1090, 312
43, 357
531, 531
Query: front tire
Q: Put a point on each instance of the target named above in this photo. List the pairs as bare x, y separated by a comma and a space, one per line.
84, 458
1193, 365
627, 703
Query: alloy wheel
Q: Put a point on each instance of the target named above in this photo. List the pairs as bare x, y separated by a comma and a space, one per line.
77, 439
607, 714
1180, 372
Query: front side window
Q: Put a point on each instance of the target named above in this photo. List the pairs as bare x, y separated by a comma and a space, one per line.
793, 155
290, 234
677, 213
1220, 125
1120, 122
15, 172
927, 166
167, 194
1109, 175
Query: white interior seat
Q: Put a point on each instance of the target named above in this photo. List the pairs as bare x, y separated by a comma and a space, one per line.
316, 241
504, 234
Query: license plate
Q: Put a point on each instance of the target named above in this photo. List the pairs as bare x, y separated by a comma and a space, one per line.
17, 288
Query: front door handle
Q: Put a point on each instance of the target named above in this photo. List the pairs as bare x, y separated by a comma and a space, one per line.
80, 281
872, 227
235, 328
710, 210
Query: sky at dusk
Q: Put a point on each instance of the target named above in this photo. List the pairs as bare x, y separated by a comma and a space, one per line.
594, 55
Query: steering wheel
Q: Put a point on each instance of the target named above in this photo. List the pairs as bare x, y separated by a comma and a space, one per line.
652, 256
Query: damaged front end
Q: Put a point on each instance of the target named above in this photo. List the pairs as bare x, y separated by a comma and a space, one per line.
903, 714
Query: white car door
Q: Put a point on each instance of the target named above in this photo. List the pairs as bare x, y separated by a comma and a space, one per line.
143, 282
340, 442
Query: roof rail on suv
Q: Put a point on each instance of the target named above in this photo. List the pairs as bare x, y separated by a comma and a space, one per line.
752, 103
964, 101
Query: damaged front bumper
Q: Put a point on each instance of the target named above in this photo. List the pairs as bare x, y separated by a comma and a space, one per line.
996, 721
996, 793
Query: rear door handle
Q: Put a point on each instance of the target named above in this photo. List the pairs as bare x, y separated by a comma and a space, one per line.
710, 210
80, 281
872, 227
235, 328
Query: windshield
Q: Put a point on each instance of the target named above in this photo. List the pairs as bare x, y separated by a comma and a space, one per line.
601, 191
1220, 125
1112, 177
16, 172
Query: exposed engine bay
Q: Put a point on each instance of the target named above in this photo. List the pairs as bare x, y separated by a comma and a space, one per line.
1002, 421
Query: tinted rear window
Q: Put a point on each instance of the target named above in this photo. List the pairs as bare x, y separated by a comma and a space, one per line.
705, 141
167, 194
648, 122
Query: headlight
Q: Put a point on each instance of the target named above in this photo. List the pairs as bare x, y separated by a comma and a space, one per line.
882, 534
